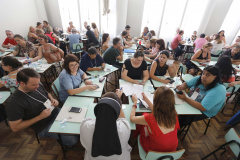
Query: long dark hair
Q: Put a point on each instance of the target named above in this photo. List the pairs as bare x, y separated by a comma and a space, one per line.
161, 43
225, 67
214, 71
11, 61
104, 37
222, 31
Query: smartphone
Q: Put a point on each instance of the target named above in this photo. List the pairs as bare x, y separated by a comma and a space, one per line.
171, 80
96, 86
75, 109
177, 91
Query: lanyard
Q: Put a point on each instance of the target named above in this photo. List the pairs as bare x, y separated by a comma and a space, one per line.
95, 63
35, 98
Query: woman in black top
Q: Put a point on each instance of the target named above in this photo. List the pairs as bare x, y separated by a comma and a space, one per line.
135, 69
204, 54
160, 68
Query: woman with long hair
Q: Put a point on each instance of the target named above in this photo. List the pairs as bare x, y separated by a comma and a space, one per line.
217, 45
105, 40
158, 130
159, 46
222, 36
227, 72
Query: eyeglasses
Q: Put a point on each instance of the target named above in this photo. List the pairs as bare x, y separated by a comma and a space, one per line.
72, 66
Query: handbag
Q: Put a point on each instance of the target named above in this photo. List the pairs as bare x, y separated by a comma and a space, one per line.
55, 55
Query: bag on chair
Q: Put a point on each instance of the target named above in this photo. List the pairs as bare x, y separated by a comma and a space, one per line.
55, 55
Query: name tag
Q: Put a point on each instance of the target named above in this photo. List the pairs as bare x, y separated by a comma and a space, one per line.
194, 95
47, 104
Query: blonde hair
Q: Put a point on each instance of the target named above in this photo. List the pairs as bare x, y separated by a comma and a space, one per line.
29, 31
207, 45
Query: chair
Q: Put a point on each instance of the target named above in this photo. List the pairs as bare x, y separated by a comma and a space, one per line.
230, 92
151, 155
233, 141
55, 87
183, 75
218, 53
78, 49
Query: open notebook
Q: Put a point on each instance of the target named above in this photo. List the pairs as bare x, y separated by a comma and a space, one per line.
71, 116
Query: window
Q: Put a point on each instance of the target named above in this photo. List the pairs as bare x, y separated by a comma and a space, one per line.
173, 13
69, 12
89, 12
231, 22
193, 16
152, 15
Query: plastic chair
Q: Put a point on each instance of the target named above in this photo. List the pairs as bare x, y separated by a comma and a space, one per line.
77, 49
56, 87
233, 141
151, 155
183, 69
218, 53
229, 90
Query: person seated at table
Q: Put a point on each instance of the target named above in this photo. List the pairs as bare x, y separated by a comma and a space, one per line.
23, 47
159, 46
41, 32
125, 44
74, 38
198, 44
237, 42
222, 36
69, 29
92, 61
203, 55
128, 37
47, 50
175, 42
234, 54
45, 25
159, 67
194, 36
92, 40
84, 30
32, 36
27, 107
39, 26
105, 40
13, 66
9, 42
71, 77
227, 72
158, 130
95, 30
145, 34
206, 94
51, 35
114, 53
217, 45
135, 69
106, 136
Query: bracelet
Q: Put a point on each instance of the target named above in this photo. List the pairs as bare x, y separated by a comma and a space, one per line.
134, 105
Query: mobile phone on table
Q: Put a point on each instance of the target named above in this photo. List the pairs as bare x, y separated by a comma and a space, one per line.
177, 91
75, 109
171, 80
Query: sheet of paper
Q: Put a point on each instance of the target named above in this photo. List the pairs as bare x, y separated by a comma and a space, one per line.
150, 97
138, 90
127, 89
123, 106
70, 116
177, 100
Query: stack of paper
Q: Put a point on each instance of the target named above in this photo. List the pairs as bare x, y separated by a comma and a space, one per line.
150, 97
71, 116
129, 89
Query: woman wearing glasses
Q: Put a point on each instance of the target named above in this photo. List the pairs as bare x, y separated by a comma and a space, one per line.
71, 77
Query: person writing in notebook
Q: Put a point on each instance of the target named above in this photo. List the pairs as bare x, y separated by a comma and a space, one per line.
71, 77
92, 61
160, 68
32, 106
135, 69
158, 130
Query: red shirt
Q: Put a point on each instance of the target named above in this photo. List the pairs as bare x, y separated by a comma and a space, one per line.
157, 141
175, 41
11, 41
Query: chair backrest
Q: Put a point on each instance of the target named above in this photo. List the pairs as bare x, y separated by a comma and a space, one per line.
56, 87
229, 89
232, 135
218, 53
182, 69
159, 155
78, 46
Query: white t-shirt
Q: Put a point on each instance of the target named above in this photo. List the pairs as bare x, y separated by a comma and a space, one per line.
87, 129
216, 47
122, 39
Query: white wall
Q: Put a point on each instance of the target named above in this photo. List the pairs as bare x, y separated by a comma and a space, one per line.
122, 10
53, 13
134, 16
42, 14
217, 17
17, 16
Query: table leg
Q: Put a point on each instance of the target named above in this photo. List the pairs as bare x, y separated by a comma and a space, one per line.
60, 142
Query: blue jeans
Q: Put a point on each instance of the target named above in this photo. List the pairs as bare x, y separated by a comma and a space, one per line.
67, 139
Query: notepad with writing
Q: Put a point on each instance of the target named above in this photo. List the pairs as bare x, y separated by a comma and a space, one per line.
71, 116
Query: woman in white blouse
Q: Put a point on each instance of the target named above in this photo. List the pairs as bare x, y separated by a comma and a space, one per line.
106, 137
217, 45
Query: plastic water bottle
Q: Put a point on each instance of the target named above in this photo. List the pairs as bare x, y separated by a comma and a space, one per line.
63, 123
140, 42
29, 61
40, 61
150, 88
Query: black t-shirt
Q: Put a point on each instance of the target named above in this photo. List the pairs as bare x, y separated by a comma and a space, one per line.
135, 73
92, 37
160, 71
228, 53
21, 106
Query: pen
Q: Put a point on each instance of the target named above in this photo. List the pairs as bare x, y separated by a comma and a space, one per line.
120, 88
